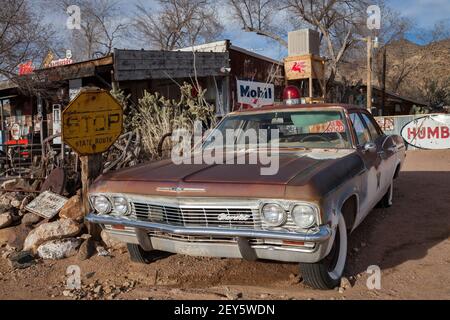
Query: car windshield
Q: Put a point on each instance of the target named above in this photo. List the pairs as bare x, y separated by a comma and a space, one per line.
321, 129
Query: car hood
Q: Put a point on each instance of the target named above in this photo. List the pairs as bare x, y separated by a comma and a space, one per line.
222, 179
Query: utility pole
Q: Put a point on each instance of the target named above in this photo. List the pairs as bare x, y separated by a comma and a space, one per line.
383, 83
369, 73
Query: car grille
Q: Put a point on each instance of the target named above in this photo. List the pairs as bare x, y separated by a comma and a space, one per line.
197, 217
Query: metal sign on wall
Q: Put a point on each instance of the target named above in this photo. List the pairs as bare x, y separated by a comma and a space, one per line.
92, 122
255, 94
304, 67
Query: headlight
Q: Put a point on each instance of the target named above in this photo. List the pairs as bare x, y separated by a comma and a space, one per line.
304, 216
120, 205
101, 204
273, 214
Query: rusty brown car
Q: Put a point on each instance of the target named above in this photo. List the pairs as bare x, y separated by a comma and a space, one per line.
334, 166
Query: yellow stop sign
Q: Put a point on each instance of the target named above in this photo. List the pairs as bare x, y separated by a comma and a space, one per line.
92, 122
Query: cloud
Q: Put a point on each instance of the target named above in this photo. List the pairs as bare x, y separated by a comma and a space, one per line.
425, 13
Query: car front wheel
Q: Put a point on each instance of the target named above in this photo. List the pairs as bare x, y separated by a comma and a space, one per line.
327, 273
138, 255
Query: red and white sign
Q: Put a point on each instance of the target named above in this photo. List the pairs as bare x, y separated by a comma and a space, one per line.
429, 132
328, 127
26, 68
60, 62
255, 94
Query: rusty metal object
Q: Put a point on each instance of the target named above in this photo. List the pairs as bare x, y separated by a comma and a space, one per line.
55, 181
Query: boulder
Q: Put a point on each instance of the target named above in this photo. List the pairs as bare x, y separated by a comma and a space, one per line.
58, 249
14, 236
87, 250
6, 219
64, 228
73, 209
5, 201
112, 243
30, 219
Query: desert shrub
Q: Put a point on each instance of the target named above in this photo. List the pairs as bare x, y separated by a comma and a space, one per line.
156, 117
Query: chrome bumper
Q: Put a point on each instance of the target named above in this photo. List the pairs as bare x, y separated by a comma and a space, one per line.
320, 235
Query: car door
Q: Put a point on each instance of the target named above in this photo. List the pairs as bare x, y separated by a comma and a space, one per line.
386, 149
370, 178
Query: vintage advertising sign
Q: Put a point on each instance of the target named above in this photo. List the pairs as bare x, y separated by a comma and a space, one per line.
329, 127
386, 123
26, 68
92, 122
303, 67
255, 94
47, 204
429, 132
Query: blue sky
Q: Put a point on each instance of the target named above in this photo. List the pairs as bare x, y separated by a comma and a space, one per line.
424, 14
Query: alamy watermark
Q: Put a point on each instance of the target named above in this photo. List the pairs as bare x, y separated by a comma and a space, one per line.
374, 280
74, 19
73, 274
231, 147
374, 17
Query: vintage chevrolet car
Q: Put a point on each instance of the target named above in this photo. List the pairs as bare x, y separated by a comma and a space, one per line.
335, 166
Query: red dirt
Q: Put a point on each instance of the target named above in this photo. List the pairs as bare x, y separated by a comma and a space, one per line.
409, 242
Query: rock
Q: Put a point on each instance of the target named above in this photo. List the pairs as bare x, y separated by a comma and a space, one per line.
87, 250
58, 249
5, 236
5, 203
111, 243
102, 252
294, 279
14, 236
73, 209
60, 229
98, 289
341, 290
21, 260
30, 219
16, 184
16, 203
5, 220
345, 283
67, 293
25, 202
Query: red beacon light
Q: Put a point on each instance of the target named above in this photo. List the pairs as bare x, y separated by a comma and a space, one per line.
291, 95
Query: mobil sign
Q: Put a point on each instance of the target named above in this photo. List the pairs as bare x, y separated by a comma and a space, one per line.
255, 94
429, 132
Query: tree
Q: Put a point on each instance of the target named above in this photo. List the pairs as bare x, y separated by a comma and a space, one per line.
102, 26
436, 92
258, 16
23, 37
338, 21
178, 23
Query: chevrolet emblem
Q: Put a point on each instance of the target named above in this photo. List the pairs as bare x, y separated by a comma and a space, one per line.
180, 190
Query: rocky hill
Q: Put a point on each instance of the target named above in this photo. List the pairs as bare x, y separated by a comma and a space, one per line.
409, 67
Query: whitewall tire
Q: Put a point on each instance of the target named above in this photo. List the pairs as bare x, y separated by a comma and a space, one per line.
327, 273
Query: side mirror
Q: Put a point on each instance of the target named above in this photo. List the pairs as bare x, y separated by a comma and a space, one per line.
370, 147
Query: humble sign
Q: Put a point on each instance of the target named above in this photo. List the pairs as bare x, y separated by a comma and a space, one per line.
255, 94
429, 132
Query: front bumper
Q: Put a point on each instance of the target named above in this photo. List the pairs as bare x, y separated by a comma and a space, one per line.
319, 237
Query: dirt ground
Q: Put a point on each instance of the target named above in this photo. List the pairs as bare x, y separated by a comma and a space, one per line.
409, 242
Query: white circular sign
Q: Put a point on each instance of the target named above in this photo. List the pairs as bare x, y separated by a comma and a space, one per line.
429, 132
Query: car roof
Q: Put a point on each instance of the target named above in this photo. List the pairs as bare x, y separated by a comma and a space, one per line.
283, 106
